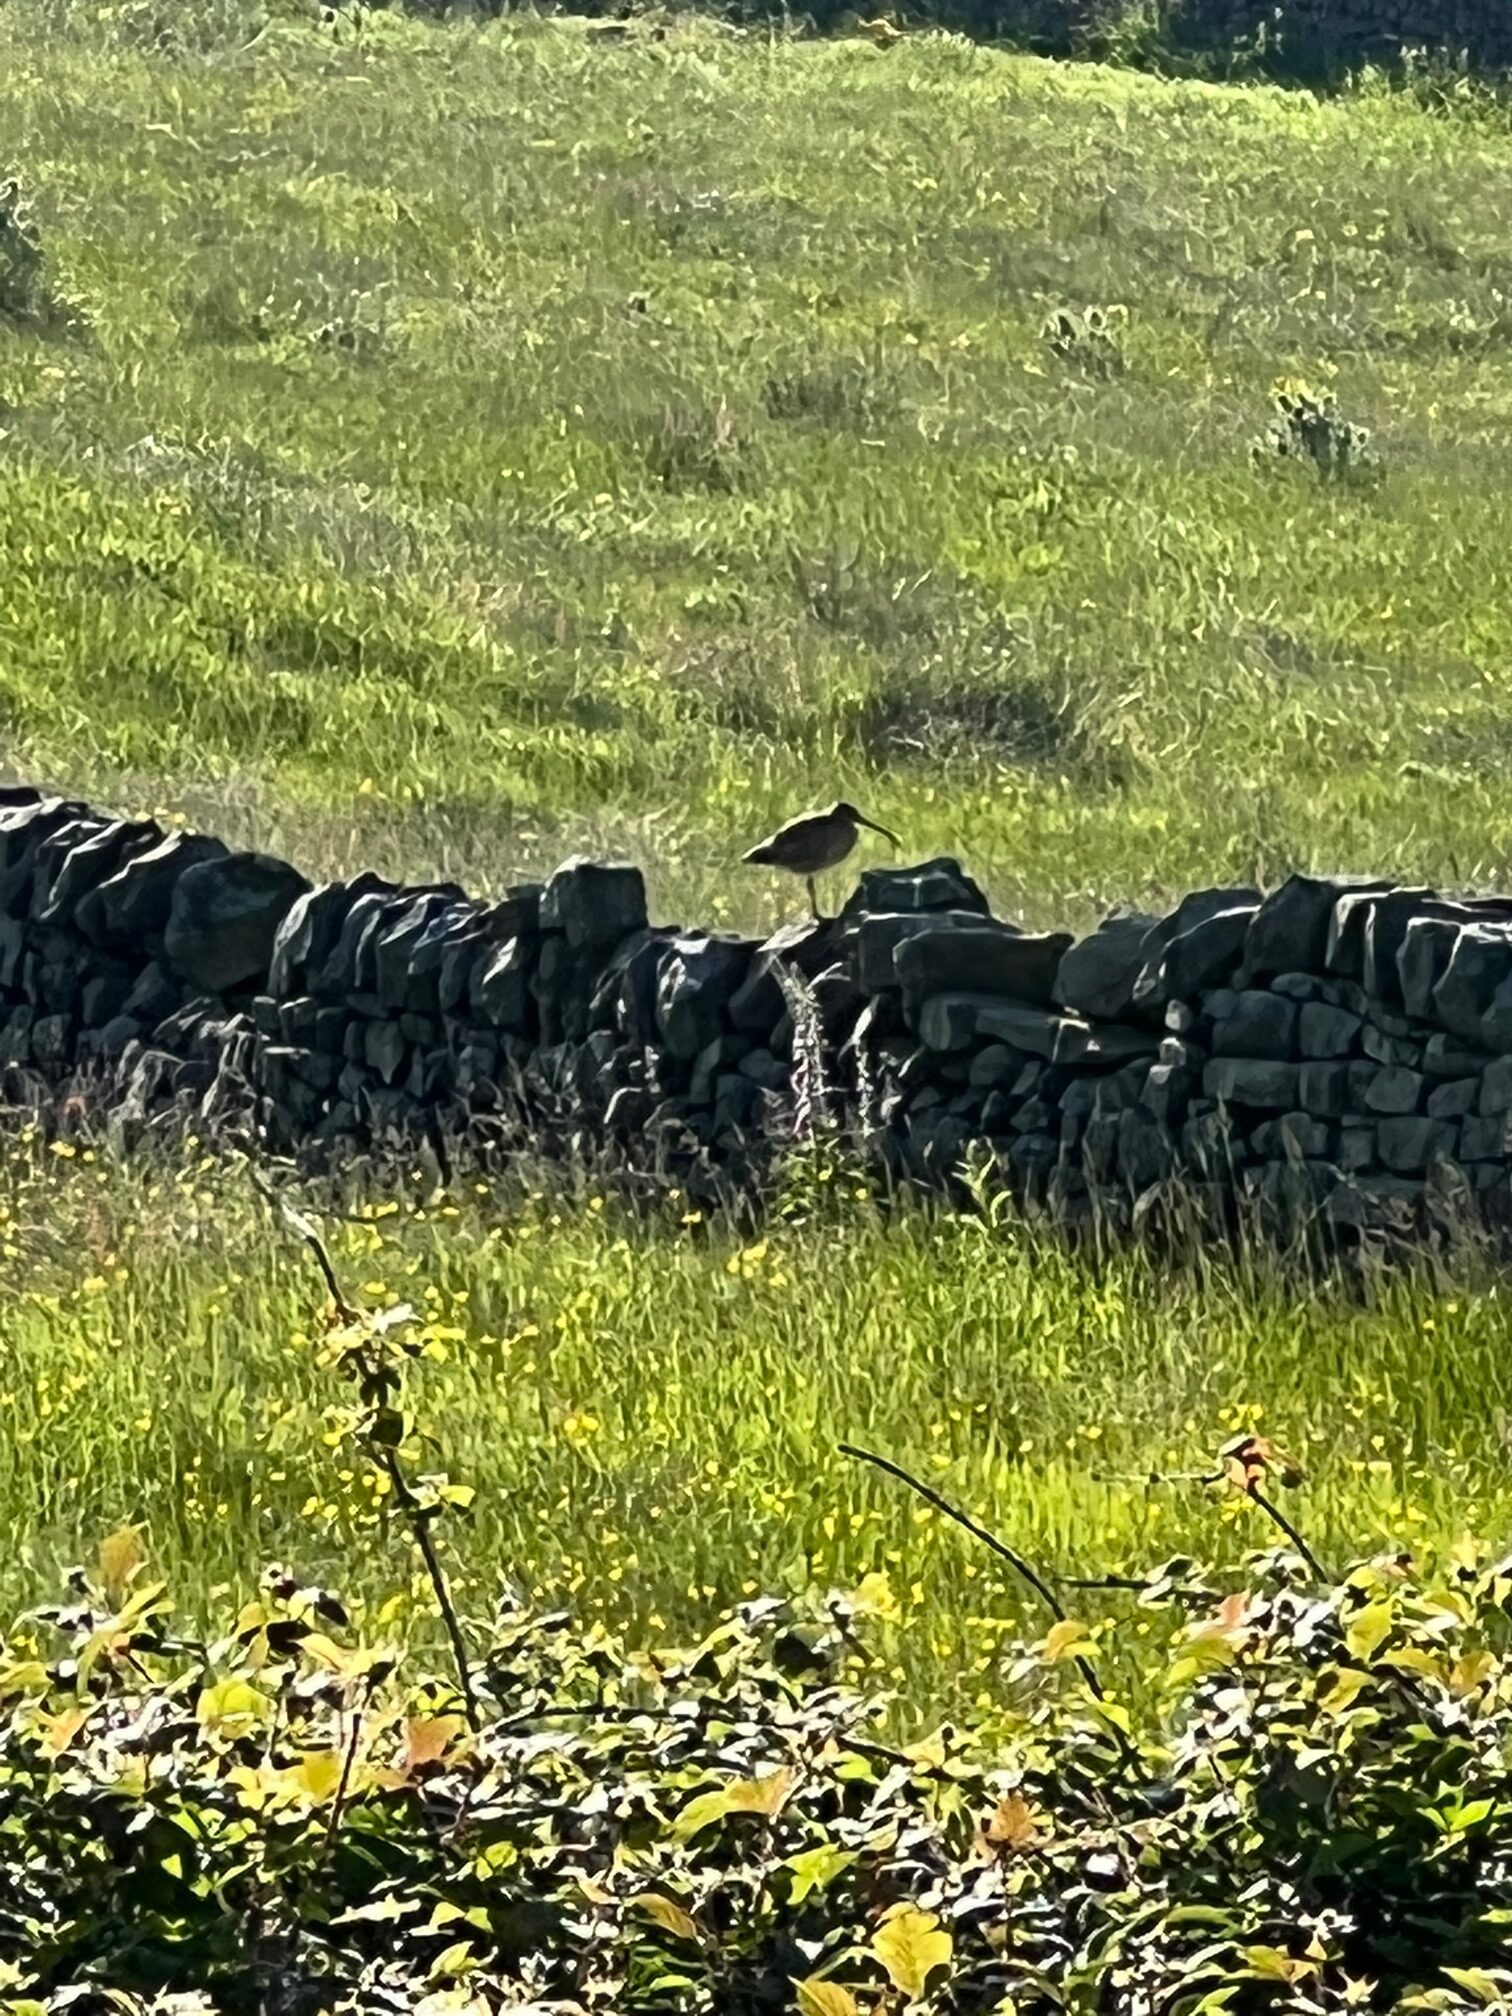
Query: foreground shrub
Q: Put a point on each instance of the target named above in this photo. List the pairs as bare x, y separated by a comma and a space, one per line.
1315, 1821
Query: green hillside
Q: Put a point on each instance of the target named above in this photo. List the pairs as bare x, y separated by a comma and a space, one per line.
442, 448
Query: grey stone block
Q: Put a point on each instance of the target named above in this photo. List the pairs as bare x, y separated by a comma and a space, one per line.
952, 1021
1197, 956
1454, 1098
1258, 1082
984, 958
940, 884
1325, 1032
1408, 1145
697, 980
1290, 931
1323, 1090
501, 996
1446, 1057
1479, 964
224, 917
998, 1064
1384, 1049
1394, 1089
1259, 1024
1422, 962
1496, 1086
594, 903
1485, 1138
1097, 977
1357, 1148
1294, 1137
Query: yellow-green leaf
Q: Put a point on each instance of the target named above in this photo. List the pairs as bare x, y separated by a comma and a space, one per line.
911, 1944
1368, 1630
121, 1555
825, 1998
317, 1775
671, 1917
233, 1708
1477, 1982
706, 1810
764, 1796
1348, 1680
817, 1868
1066, 1640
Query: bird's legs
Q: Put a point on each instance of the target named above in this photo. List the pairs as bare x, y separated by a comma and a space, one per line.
814, 899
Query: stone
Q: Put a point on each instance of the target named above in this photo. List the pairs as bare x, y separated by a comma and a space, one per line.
1454, 1098
1194, 959
1357, 1148
698, 979
765, 1070
224, 917
407, 959
1290, 930
997, 1064
130, 907
1325, 1032
308, 935
102, 998
951, 1021
1260, 1082
89, 865
1259, 1024
594, 903
1096, 977
873, 940
1496, 1087
1323, 1089
1146, 1151
501, 996
1479, 964
1408, 1144
807, 949
1298, 987
940, 884
1382, 1048
351, 967
154, 994
1485, 1137
1422, 961
52, 1039
1376, 1204
1394, 1089
983, 958
1295, 1137
1167, 1089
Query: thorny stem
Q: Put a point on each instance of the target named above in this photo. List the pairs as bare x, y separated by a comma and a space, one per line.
405, 1500
999, 1547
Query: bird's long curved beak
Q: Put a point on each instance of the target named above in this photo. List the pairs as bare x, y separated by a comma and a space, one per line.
886, 832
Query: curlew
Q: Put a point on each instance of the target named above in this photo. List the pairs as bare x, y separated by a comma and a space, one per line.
815, 841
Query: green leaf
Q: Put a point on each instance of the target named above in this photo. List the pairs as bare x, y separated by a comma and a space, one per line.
911, 1944
825, 1998
817, 1868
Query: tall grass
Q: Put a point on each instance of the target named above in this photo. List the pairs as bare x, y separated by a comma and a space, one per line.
449, 445
649, 1413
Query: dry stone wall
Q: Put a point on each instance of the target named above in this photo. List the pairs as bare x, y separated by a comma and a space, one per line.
1338, 1051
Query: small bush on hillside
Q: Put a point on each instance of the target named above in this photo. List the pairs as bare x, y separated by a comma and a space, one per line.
23, 290
1090, 340
1308, 427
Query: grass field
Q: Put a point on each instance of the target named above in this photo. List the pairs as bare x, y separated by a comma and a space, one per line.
648, 1413
443, 448
453, 446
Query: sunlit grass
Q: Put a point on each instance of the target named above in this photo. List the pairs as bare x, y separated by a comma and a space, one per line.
649, 1412
472, 443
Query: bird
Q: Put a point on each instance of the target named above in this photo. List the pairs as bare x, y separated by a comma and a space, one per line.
815, 841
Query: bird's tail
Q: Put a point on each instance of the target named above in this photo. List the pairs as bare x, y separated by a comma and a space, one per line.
760, 857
